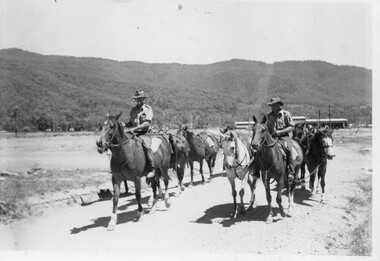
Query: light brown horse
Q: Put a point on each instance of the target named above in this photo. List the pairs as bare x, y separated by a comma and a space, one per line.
128, 162
272, 165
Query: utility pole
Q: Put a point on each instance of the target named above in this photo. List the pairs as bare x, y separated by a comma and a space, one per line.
329, 118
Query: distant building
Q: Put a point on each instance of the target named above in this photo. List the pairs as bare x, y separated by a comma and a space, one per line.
242, 125
338, 123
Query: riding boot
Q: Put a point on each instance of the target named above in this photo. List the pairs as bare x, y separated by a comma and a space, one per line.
149, 160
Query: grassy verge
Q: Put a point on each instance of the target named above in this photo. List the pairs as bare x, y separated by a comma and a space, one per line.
15, 191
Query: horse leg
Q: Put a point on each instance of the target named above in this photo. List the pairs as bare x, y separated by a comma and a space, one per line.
116, 194
201, 171
209, 163
126, 187
138, 198
167, 197
252, 185
303, 171
322, 174
178, 192
269, 199
311, 182
241, 193
291, 196
152, 203
231, 179
181, 173
279, 195
191, 163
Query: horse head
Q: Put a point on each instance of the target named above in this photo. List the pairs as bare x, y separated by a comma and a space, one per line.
261, 134
299, 130
229, 146
324, 139
111, 131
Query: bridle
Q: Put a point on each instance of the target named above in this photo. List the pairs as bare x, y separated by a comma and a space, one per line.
108, 144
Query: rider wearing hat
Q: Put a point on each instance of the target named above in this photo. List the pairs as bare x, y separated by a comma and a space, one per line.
280, 125
139, 123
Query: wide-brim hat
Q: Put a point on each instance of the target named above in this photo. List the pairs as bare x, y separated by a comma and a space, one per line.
275, 100
139, 94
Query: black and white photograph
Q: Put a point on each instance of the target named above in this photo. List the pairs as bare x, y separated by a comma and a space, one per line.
189, 130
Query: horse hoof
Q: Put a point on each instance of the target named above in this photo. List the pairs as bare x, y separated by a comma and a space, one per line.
182, 188
167, 204
111, 227
150, 202
140, 216
191, 185
269, 221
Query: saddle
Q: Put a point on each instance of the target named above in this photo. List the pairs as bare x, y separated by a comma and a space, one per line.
207, 140
284, 146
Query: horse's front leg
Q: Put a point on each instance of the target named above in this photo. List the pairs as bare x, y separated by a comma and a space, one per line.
116, 194
269, 200
311, 181
279, 194
231, 179
138, 198
191, 163
322, 175
241, 193
252, 185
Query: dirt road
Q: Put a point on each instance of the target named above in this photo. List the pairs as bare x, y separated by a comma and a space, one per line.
198, 221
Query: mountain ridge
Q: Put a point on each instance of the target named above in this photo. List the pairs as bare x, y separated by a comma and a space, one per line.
67, 91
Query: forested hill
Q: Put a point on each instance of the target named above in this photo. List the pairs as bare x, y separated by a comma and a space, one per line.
64, 92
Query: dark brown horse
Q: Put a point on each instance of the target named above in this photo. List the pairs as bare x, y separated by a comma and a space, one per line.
319, 149
201, 149
272, 164
299, 133
180, 157
128, 162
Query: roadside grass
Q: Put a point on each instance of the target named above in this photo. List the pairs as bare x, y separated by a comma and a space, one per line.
15, 191
361, 236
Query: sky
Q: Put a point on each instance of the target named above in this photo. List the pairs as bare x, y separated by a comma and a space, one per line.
192, 32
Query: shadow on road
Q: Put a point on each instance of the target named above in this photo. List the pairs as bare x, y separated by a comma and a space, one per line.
124, 217
222, 214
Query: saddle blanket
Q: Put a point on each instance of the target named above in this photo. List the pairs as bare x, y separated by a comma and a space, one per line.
155, 144
210, 141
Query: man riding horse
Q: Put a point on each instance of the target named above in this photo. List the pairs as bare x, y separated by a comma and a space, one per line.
139, 123
280, 124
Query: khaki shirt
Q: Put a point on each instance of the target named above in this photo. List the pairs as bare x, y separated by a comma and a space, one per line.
140, 115
279, 121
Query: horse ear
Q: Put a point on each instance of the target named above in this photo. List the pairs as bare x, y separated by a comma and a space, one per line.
118, 116
254, 118
303, 124
264, 120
